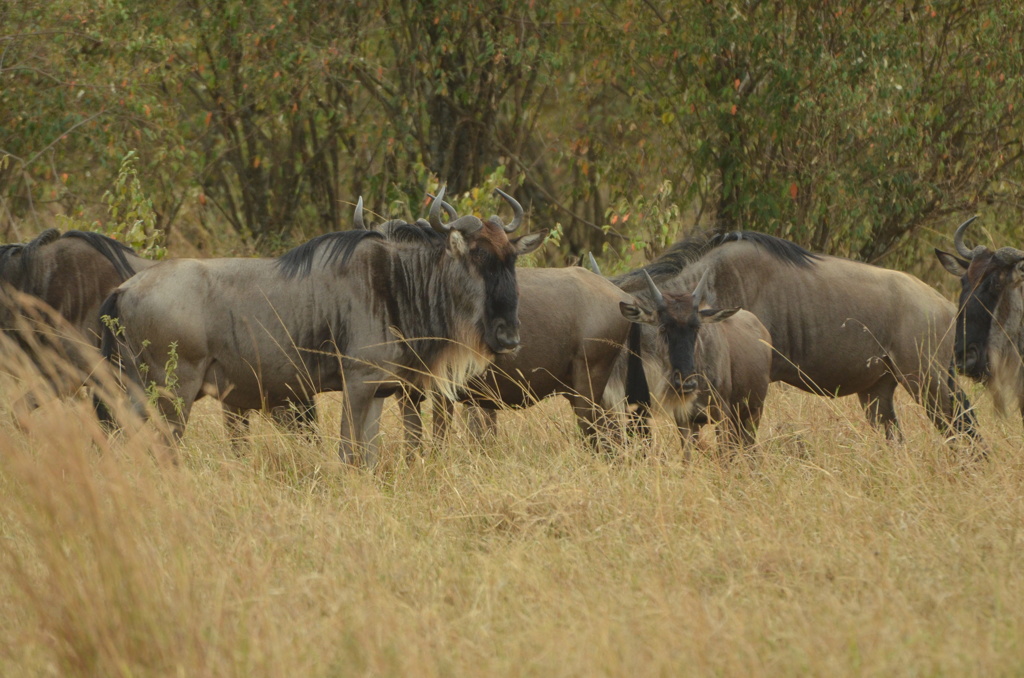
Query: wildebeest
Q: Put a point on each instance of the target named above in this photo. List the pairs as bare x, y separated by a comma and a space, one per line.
571, 336
71, 274
351, 311
704, 364
990, 323
838, 327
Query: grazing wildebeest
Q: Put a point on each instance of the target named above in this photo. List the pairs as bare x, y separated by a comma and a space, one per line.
838, 327
351, 311
990, 323
704, 364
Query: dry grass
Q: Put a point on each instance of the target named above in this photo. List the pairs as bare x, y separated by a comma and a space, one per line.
827, 552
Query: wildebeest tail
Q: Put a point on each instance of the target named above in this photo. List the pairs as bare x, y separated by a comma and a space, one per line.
638, 392
109, 322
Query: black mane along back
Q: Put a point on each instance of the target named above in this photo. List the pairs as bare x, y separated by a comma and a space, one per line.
17, 258
298, 261
679, 255
112, 249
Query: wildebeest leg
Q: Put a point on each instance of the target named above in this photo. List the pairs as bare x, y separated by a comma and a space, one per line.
879, 407
297, 417
483, 422
744, 420
597, 424
687, 436
593, 423
947, 405
360, 418
236, 422
176, 404
444, 418
409, 402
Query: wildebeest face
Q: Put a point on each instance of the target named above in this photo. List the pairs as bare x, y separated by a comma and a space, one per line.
493, 255
678, 318
983, 279
489, 254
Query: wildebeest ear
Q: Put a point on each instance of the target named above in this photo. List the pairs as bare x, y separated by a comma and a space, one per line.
1018, 270
635, 313
525, 244
953, 264
717, 315
457, 244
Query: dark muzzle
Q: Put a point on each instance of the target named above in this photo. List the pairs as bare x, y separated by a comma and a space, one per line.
683, 386
971, 362
506, 337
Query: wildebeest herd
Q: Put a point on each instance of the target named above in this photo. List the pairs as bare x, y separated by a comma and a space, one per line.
438, 306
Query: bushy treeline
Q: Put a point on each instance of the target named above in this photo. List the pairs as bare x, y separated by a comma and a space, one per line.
846, 126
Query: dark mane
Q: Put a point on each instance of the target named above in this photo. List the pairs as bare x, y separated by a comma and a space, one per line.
678, 256
16, 258
784, 250
113, 250
21, 255
298, 261
397, 230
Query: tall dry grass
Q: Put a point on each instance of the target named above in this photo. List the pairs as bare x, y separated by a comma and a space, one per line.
828, 551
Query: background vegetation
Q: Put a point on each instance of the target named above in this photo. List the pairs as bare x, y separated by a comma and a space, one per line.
848, 126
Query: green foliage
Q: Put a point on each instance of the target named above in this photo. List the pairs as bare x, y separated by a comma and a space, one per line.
155, 392
845, 127
113, 324
655, 218
132, 219
850, 128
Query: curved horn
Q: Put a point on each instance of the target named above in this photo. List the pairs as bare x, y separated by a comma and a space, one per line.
958, 240
592, 263
449, 210
656, 296
435, 213
358, 219
701, 289
517, 209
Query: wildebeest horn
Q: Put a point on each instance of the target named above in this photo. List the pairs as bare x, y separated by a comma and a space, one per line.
701, 289
516, 208
358, 219
656, 296
592, 263
449, 210
435, 213
958, 239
